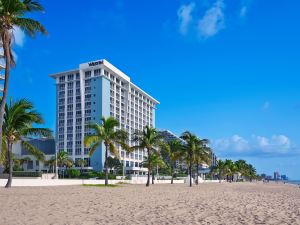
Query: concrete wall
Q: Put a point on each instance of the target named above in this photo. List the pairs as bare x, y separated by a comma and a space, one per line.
29, 182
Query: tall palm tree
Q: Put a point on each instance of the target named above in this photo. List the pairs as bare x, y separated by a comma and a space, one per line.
202, 155
171, 151
150, 140
18, 123
107, 133
13, 14
190, 148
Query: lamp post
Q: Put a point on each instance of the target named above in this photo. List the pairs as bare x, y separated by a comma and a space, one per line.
56, 169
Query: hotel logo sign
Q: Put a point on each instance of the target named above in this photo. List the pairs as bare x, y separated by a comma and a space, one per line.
95, 63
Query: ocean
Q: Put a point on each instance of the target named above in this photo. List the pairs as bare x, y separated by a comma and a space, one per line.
293, 181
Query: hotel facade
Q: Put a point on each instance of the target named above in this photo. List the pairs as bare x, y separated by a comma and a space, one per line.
94, 90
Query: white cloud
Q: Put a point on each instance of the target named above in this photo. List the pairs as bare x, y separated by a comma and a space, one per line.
235, 143
256, 145
185, 17
19, 36
209, 18
213, 20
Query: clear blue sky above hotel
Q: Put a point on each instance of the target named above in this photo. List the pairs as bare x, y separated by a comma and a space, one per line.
226, 70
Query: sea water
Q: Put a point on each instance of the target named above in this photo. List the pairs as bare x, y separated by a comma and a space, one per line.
293, 182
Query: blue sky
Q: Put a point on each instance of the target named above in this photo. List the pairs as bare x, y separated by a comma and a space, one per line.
227, 70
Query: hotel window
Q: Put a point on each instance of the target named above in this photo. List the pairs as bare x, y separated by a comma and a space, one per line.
105, 73
86, 151
70, 92
127, 163
87, 82
70, 77
78, 113
61, 94
136, 164
77, 76
70, 100
69, 151
77, 151
87, 74
69, 137
62, 79
97, 72
61, 87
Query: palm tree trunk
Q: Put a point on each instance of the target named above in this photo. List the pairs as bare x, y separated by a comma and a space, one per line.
197, 167
172, 174
152, 176
190, 169
10, 165
149, 169
6, 39
106, 164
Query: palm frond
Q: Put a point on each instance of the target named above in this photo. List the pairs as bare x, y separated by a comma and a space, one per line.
29, 26
34, 151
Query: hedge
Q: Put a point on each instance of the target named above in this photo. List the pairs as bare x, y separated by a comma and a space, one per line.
27, 174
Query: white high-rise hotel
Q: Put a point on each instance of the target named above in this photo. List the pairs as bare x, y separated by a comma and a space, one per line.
99, 89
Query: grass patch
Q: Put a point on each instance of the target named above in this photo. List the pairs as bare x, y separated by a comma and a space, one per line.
99, 185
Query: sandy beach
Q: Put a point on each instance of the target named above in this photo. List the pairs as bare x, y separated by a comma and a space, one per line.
237, 203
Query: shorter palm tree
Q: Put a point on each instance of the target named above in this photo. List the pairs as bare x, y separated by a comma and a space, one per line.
150, 140
64, 160
220, 169
25, 160
107, 133
230, 169
82, 163
202, 155
155, 162
18, 126
171, 151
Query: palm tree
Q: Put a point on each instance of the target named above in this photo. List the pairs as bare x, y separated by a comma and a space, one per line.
220, 169
150, 140
190, 148
12, 14
106, 133
24, 160
230, 169
63, 159
202, 155
241, 167
18, 120
114, 163
171, 151
251, 172
81, 163
155, 161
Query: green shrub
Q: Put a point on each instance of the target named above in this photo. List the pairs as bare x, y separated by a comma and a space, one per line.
26, 174
73, 173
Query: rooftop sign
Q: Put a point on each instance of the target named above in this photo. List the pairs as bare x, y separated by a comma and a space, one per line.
95, 63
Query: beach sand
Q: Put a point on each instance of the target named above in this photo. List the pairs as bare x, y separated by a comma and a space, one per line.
236, 203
